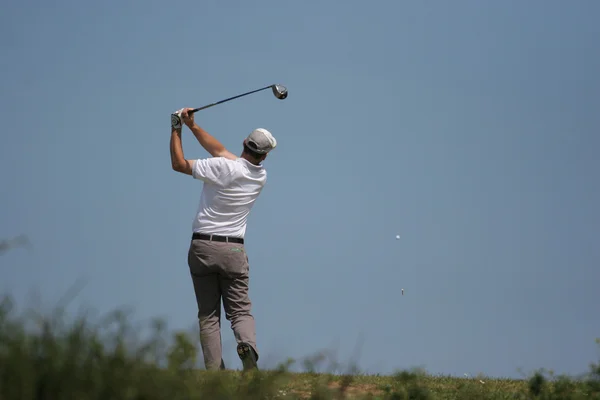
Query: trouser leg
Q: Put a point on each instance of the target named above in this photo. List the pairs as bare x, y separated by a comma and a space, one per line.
238, 307
234, 284
208, 298
209, 319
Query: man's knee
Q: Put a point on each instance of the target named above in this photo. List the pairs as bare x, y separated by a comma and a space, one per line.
238, 309
238, 315
209, 322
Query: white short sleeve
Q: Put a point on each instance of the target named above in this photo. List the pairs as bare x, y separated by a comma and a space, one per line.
215, 170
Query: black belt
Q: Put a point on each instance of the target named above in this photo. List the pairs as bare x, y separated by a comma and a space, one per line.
217, 238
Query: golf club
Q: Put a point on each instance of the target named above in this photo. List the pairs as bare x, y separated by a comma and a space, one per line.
279, 91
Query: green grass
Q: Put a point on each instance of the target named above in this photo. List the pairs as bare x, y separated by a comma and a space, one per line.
46, 357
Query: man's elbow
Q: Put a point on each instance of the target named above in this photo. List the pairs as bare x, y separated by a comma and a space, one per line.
177, 167
183, 168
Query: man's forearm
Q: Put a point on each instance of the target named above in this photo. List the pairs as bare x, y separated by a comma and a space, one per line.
177, 157
206, 140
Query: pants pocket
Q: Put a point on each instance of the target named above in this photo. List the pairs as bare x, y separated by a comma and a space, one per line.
235, 260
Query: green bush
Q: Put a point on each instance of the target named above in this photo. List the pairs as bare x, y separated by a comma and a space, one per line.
47, 358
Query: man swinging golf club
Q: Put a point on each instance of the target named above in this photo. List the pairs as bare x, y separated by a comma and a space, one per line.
217, 258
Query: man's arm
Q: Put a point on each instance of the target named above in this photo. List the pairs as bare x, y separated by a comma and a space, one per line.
178, 161
206, 140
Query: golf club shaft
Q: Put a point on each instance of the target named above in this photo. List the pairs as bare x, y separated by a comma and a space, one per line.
231, 98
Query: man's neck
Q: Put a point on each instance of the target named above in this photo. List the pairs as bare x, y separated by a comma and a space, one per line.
251, 161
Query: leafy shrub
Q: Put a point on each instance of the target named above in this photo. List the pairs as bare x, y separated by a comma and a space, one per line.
47, 358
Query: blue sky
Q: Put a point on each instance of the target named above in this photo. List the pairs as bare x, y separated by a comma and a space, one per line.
470, 128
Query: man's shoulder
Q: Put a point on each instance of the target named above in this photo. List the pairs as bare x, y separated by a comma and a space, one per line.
219, 160
223, 162
245, 170
214, 170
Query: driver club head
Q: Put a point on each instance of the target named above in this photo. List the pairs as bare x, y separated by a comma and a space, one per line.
280, 91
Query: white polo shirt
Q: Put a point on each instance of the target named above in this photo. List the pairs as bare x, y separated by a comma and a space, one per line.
230, 189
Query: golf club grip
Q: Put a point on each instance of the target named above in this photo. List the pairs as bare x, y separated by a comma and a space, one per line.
231, 98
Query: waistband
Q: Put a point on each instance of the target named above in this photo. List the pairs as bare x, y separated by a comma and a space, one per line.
217, 238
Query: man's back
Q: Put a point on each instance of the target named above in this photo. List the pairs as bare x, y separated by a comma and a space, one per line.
230, 189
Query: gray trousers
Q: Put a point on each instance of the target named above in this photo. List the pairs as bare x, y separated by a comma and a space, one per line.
220, 272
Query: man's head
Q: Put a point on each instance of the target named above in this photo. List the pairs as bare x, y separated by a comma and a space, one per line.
257, 145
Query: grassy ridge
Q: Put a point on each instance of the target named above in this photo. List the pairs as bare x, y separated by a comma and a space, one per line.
48, 358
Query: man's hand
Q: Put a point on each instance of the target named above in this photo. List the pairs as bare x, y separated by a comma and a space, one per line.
176, 120
187, 117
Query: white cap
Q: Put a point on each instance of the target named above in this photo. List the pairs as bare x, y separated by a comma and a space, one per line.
261, 141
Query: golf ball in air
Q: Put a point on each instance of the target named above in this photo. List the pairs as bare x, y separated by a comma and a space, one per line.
397, 237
